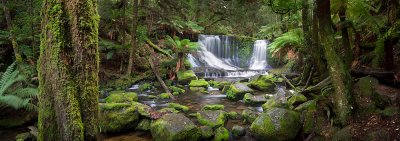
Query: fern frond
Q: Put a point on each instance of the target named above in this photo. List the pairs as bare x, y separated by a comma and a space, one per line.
14, 101
11, 80
291, 40
26, 92
7, 73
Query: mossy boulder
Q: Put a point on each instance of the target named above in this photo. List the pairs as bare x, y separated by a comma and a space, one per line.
199, 83
238, 131
237, 91
164, 96
184, 77
264, 83
206, 132
364, 94
273, 103
121, 97
174, 127
177, 90
117, 117
232, 115
249, 116
145, 87
221, 134
250, 99
214, 107
277, 124
178, 107
218, 84
212, 118
142, 109
168, 110
296, 99
144, 125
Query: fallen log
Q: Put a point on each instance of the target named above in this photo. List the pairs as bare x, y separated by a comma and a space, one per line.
157, 74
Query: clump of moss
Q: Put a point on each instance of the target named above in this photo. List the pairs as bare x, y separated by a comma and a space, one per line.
212, 118
179, 107
232, 115
184, 77
164, 96
177, 90
145, 87
199, 83
121, 97
214, 107
221, 134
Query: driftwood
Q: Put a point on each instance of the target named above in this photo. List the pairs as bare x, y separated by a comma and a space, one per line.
157, 74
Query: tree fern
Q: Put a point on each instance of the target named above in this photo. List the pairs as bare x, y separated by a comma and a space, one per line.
292, 40
15, 96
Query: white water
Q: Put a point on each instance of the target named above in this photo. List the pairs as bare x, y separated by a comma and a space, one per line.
193, 61
259, 58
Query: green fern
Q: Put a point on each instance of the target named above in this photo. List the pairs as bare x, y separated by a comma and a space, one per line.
292, 40
15, 96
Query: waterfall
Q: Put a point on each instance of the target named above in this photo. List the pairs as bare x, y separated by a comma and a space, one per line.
259, 58
192, 60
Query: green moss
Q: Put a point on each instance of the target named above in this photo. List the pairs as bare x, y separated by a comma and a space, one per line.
273, 103
142, 109
174, 127
237, 91
120, 97
164, 96
179, 107
343, 135
296, 99
249, 116
238, 131
175, 93
184, 77
24, 136
199, 83
214, 107
145, 87
113, 120
206, 132
221, 134
114, 106
264, 83
177, 90
232, 115
212, 118
144, 125
168, 110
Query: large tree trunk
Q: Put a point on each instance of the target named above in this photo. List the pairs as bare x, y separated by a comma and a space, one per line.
316, 50
68, 71
13, 39
340, 75
134, 39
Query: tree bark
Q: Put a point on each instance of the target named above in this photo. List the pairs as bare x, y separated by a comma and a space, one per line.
316, 49
134, 38
340, 75
68, 71
13, 39
348, 53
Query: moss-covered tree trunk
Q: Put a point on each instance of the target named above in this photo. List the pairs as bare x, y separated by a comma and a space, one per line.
348, 53
68, 69
134, 38
340, 75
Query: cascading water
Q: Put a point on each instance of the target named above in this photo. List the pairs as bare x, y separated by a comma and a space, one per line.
259, 58
218, 57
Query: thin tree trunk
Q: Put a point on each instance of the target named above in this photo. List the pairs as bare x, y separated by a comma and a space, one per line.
68, 71
316, 49
340, 76
157, 74
348, 53
13, 39
134, 39
388, 44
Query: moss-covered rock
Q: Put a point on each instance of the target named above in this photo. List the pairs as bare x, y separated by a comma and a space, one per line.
145, 87
238, 131
168, 110
364, 92
199, 83
121, 97
206, 132
273, 103
249, 116
296, 99
199, 89
117, 117
144, 125
343, 135
277, 124
264, 83
214, 107
142, 109
184, 77
250, 99
178, 107
212, 118
237, 91
174, 127
221, 134
164, 96
177, 89
232, 115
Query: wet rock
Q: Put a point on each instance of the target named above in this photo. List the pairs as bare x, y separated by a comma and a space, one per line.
121, 97
250, 99
273, 103
237, 91
277, 124
206, 132
184, 77
144, 125
174, 127
145, 87
164, 96
264, 83
249, 116
178, 107
232, 115
296, 99
177, 90
214, 107
199, 83
238, 131
168, 110
221, 134
212, 118
117, 117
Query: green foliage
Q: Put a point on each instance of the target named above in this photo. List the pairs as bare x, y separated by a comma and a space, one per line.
13, 94
292, 40
181, 46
